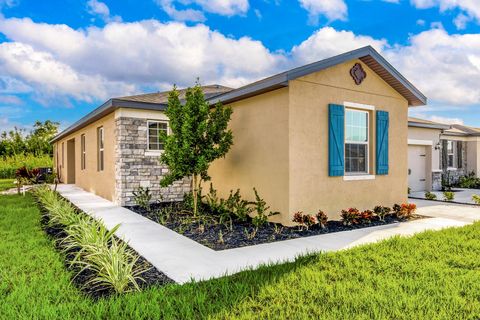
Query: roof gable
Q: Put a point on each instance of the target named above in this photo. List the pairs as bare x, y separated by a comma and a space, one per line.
367, 55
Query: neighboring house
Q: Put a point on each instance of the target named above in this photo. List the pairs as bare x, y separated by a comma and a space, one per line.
329, 135
435, 148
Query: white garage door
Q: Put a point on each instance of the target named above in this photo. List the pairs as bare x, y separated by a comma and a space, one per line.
417, 161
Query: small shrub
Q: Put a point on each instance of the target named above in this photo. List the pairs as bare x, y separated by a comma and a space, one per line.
407, 210
142, 198
304, 220
381, 212
322, 219
350, 216
469, 181
366, 216
397, 210
409, 190
448, 196
430, 196
261, 208
476, 198
239, 207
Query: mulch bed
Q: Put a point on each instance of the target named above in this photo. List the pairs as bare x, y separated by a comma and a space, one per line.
218, 237
151, 277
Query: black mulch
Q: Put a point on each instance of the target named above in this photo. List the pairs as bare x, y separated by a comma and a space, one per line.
151, 277
220, 237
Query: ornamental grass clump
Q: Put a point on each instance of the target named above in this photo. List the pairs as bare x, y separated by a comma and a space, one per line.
110, 263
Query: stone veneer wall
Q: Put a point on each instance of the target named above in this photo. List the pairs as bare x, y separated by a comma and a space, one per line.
454, 175
135, 168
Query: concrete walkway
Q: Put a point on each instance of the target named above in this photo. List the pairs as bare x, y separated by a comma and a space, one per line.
183, 259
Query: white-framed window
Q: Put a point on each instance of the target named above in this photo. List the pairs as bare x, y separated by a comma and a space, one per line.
153, 134
100, 149
451, 154
83, 152
356, 141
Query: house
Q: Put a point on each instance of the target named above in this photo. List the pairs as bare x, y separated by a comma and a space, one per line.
435, 149
328, 135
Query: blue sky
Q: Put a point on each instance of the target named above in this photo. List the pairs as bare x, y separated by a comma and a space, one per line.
61, 59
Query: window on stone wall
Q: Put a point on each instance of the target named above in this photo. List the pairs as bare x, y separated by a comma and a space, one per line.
451, 154
153, 134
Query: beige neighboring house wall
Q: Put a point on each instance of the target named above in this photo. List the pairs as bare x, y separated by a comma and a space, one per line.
281, 146
90, 179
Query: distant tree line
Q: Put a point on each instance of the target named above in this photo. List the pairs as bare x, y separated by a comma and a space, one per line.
18, 142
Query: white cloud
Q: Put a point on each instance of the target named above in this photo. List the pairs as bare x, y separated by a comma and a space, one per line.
421, 22
331, 9
470, 7
181, 15
222, 7
446, 67
392, 1
461, 21
51, 77
327, 42
55, 61
10, 100
102, 62
100, 9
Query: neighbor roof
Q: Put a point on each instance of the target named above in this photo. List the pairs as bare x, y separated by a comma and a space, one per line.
458, 129
367, 55
162, 97
422, 123
217, 93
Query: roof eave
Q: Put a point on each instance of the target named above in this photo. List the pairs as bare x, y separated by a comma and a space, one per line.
438, 126
108, 107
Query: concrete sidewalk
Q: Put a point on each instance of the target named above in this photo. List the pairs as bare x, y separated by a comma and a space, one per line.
183, 259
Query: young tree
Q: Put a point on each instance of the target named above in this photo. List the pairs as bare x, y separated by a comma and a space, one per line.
38, 141
198, 136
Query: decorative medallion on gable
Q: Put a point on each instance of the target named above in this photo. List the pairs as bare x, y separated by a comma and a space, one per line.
358, 74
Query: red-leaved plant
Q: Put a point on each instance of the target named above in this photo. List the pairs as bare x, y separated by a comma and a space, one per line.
350, 216
322, 219
366, 216
304, 220
407, 210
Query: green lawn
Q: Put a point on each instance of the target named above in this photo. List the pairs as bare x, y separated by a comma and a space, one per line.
435, 275
6, 184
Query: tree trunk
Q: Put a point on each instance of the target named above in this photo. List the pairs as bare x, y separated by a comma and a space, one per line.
195, 195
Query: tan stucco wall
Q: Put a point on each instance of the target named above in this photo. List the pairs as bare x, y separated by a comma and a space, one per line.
311, 188
281, 146
101, 183
259, 155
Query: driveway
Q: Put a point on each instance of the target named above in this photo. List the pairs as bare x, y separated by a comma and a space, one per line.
461, 195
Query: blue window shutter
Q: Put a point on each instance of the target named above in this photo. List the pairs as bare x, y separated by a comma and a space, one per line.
336, 140
382, 142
